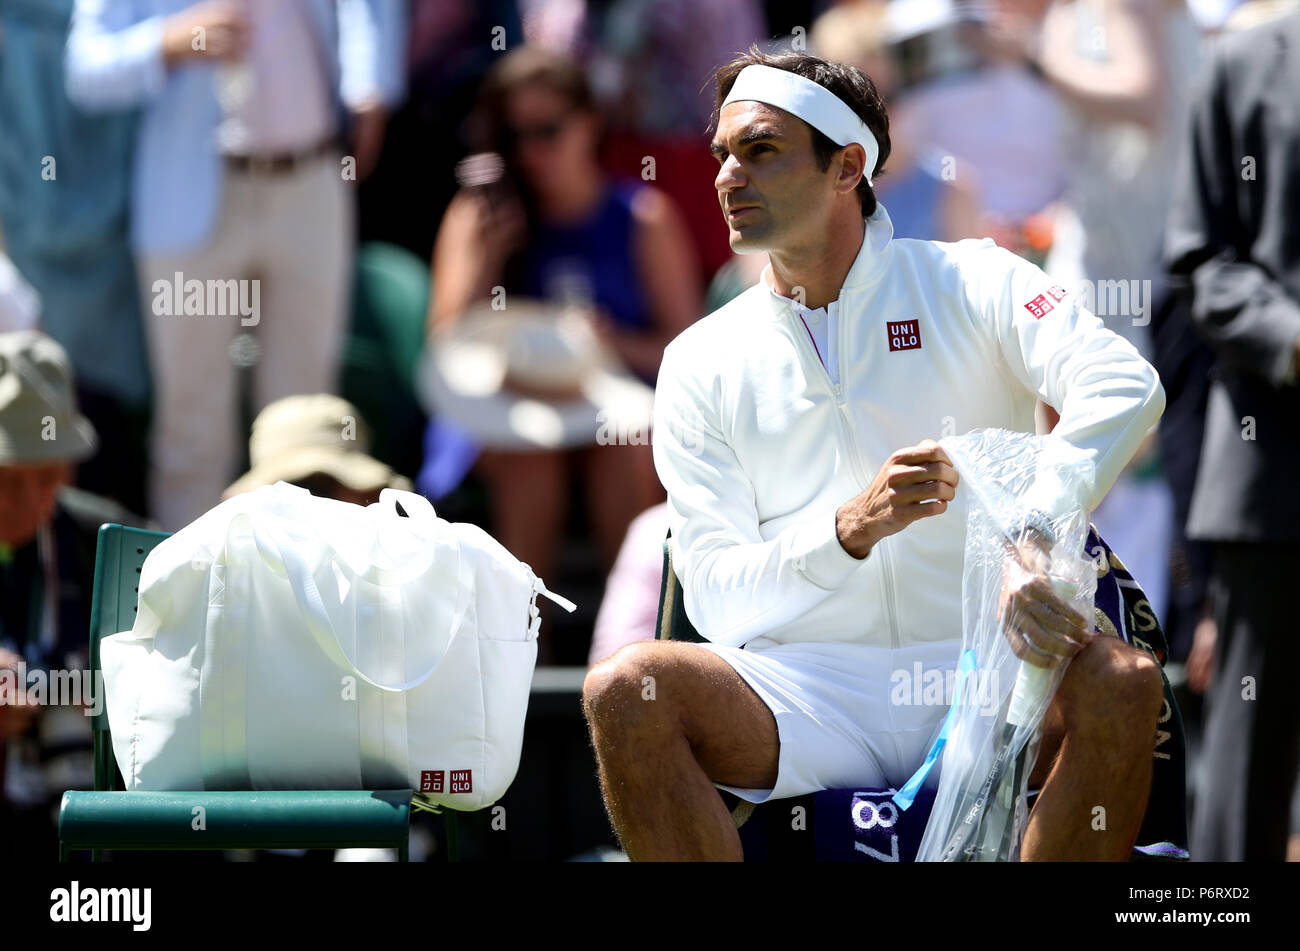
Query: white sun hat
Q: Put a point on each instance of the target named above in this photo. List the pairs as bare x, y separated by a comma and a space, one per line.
532, 376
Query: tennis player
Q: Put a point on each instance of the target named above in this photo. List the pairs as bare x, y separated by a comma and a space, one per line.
816, 532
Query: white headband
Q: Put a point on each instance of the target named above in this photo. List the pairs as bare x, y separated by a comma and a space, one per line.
810, 101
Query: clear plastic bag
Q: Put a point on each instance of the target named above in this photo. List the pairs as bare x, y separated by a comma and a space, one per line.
1026, 515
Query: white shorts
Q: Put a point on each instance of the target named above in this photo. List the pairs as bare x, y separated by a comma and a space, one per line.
848, 715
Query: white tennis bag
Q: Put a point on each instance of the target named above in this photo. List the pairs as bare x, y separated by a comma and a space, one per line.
285, 641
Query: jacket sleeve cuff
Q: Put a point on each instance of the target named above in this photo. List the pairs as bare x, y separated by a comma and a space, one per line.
819, 556
123, 69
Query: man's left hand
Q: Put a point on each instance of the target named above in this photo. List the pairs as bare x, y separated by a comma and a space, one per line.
1042, 628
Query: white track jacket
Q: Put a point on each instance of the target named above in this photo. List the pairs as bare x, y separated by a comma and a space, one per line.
757, 448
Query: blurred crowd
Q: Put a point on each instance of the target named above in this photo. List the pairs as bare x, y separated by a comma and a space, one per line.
374, 243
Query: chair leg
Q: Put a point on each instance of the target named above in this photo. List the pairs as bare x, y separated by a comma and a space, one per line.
452, 826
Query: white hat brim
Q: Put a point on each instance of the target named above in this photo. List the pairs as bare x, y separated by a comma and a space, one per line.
614, 407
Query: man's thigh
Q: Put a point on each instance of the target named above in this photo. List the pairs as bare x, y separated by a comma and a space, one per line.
731, 731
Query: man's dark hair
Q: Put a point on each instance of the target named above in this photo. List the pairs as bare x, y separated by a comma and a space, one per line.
849, 83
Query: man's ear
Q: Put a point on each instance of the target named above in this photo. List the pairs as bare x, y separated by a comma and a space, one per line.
852, 158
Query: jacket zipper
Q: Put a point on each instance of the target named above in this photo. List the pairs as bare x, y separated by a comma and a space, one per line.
841, 404
887, 568
891, 610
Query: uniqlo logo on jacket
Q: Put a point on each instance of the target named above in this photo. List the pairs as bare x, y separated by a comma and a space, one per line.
1039, 306
431, 780
904, 334
462, 780
1043, 304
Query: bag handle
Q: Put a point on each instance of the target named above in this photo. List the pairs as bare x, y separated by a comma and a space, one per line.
274, 548
420, 519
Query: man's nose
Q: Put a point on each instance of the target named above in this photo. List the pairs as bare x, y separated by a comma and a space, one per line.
730, 176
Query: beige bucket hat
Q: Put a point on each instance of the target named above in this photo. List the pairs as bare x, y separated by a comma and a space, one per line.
39, 419
300, 436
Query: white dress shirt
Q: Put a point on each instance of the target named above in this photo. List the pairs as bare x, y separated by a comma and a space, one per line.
278, 99
821, 324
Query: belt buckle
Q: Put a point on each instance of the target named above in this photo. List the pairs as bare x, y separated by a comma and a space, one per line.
261, 165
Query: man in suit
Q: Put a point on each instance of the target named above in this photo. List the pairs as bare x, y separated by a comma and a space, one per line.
241, 200
1233, 244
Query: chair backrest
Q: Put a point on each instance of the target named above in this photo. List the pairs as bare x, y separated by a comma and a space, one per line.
119, 556
672, 624
385, 342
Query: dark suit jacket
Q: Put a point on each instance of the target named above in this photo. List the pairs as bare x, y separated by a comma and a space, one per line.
1233, 245
75, 523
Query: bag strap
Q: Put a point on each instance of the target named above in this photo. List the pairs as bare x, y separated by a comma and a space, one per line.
420, 518
277, 551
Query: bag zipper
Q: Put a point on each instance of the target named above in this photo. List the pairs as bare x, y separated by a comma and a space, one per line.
534, 613
539, 587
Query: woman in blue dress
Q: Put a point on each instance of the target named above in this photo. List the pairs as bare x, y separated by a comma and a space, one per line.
551, 225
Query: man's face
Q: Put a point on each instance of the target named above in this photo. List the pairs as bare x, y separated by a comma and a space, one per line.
772, 195
27, 494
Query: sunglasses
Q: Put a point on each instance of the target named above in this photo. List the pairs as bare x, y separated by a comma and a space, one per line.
542, 132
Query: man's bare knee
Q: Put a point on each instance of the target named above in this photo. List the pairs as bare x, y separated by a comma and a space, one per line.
618, 692
1113, 683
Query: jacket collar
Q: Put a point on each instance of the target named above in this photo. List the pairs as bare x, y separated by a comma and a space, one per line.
868, 266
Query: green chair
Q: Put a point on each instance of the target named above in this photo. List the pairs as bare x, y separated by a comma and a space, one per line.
671, 623
109, 818
390, 303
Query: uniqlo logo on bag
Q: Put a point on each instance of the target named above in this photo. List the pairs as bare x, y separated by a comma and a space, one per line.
431, 780
462, 780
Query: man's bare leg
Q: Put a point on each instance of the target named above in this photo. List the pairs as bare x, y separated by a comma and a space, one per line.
1098, 736
668, 720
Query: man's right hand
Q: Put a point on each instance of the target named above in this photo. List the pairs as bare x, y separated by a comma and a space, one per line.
212, 30
913, 483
